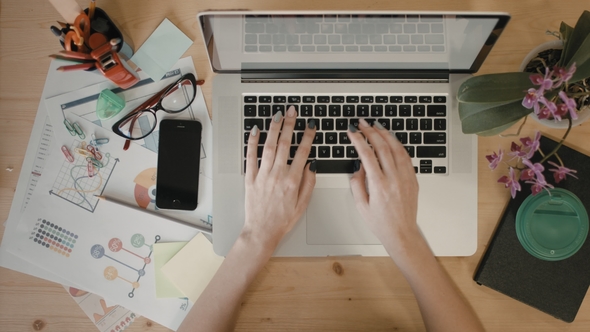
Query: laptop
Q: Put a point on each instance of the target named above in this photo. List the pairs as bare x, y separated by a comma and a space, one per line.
401, 69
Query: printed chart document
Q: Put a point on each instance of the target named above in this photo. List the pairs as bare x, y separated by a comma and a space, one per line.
105, 316
103, 248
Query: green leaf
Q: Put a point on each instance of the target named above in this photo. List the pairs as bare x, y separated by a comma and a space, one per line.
582, 72
479, 118
566, 32
577, 37
494, 88
581, 58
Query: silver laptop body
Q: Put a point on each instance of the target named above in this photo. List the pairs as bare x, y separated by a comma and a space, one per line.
340, 61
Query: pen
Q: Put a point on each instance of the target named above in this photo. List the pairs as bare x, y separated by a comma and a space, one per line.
76, 55
81, 66
114, 201
59, 57
91, 9
58, 33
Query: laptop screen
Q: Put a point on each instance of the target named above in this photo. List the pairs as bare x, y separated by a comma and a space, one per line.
339, 41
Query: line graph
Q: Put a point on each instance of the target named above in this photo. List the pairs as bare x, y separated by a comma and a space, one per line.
78, 182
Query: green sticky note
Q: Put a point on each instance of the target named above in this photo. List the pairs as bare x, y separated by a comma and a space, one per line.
163, 252
161, 50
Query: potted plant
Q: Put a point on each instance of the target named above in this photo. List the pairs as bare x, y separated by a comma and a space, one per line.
554, 86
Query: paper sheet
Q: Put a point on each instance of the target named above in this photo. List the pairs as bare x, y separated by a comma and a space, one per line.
193, 267
106, 316
163, 252
38, 151
161, 50
112, 243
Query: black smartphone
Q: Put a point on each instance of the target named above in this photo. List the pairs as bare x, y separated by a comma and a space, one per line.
179, 156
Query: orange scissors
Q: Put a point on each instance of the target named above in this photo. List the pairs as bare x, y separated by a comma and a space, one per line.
79, 34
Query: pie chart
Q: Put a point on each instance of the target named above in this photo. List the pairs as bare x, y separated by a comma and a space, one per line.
145, 189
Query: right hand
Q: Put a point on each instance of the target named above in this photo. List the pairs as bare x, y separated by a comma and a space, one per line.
390, 204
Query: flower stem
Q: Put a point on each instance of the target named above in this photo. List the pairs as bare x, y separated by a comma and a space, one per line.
569, 127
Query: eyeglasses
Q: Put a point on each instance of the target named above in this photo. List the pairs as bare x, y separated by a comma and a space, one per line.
175, 98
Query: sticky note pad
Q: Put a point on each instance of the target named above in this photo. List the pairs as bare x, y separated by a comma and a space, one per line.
191, 269
161, 50
163, 252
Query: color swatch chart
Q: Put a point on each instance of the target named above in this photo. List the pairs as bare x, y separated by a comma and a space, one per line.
53, 237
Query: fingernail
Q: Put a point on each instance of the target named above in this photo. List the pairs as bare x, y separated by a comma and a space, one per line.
254, 131
313, 166
352, 128
378, 125
357, 166
311, 124
278, 116
364, 123
291, 112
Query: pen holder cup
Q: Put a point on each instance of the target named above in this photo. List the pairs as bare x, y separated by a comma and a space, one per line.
103, 29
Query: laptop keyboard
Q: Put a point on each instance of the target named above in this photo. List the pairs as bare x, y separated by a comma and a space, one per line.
344, 33
418, 121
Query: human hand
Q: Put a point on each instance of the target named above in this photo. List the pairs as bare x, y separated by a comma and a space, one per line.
391, 203
277, 194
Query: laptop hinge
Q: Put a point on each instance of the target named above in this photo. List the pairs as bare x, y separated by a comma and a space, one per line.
316, 76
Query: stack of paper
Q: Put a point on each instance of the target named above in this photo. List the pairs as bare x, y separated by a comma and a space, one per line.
59, 231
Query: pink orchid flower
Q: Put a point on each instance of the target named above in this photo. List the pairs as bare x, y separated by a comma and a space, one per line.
495, 159
560, 172
531, 145
511, 182
537, 170
516, 151
537, 187
531, 99
563, 75
570, 104
545, 82
560, 112
544, 113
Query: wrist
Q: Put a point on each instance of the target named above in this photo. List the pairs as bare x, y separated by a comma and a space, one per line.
255, 244
406, 244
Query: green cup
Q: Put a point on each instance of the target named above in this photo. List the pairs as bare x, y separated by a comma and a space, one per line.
552, 226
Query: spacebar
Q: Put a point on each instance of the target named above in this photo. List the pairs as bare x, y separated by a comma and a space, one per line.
335, 166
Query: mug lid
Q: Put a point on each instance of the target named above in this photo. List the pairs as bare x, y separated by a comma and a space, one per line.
552, 225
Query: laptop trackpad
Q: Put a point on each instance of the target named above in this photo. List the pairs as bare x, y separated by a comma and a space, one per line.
332, 218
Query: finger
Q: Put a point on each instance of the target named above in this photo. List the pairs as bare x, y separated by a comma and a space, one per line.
402, 160
304, 148
380, 146
270, 146
306, 188
365, 153
284, 145
252, 155
359, 188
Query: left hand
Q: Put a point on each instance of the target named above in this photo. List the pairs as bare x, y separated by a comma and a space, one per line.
277, 194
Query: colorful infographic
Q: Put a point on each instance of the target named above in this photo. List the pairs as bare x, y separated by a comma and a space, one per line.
53, 237
126, 259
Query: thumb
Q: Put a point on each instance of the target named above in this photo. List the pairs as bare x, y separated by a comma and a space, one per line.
306, 187
358, 187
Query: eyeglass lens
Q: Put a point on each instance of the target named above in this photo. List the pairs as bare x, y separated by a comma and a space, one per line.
176, 99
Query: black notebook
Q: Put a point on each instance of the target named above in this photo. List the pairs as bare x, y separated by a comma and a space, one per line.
556, 288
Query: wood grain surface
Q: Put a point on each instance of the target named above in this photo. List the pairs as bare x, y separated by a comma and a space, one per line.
290, 294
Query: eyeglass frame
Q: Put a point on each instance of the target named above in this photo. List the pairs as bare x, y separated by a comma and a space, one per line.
152, 106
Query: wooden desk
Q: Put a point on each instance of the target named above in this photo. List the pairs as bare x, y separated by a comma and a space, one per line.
343, 294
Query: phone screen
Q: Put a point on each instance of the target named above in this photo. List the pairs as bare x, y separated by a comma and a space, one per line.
179, 150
